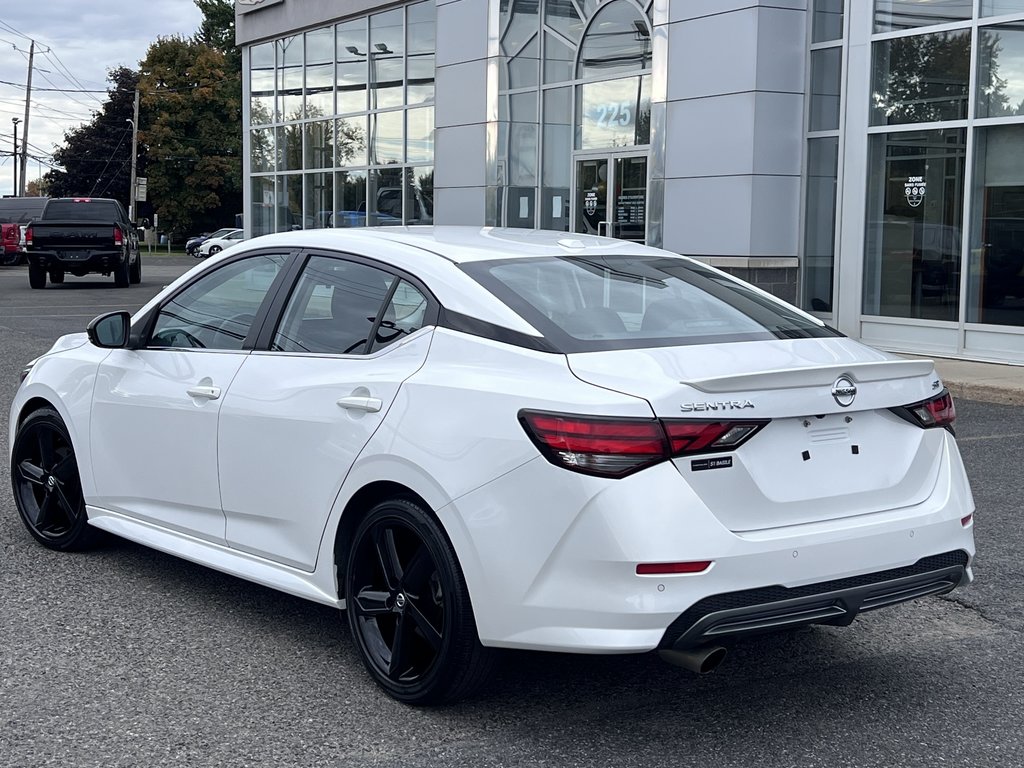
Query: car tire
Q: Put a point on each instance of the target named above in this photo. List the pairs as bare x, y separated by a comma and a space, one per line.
215, 249
47, 487
122, 278
135, 271
408, 608
56, 276
36, 276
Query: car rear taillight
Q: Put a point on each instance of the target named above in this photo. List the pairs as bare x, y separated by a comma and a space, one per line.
28, 236
118, 236
616, 447
937, 411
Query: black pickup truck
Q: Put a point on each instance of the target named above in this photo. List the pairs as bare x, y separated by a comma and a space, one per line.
82, 235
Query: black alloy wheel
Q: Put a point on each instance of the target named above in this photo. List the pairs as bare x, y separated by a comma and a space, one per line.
409, 609
47, 489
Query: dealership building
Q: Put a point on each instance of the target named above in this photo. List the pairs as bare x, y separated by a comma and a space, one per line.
863, 159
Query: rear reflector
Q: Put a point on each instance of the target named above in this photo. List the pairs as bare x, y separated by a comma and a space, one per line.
657, 569
616, 447
965, 521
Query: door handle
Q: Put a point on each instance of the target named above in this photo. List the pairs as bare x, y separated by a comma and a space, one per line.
204, 393
604, 229
368, 404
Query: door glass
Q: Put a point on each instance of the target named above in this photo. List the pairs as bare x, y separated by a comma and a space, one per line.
630, 221
591, 196
216, 311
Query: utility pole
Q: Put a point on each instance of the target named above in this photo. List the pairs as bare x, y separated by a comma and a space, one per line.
135, 146
14, 122
20, 191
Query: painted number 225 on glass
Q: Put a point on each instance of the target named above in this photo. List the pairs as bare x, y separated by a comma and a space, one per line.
614, 114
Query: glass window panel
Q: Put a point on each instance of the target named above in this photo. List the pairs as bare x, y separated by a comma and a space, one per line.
261, 84
523, 69
385, 197
387, 67
350, 141
820, 223
618, 40
999, 7
562, 16
558, 60
261, 150
320, 90
319, 138
419, 145
520, 24
996, 282
387, 138
420, 78
289, 148
350, 201
921, 79
556, 164
1001, 71
522, 154
320, 46
614, 113
523, 107
421, 28
403, 316
352, 68
333, 308
289, 203
217, 310
826, 69
289, 78
261, 214
913, 240
828, 20
906, 14
419, 195
319, 205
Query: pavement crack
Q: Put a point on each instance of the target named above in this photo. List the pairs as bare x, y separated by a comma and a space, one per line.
977, 611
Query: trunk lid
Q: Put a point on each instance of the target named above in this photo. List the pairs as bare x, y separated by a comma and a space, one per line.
832, 447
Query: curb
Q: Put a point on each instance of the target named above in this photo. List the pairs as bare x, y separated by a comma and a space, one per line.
985, 393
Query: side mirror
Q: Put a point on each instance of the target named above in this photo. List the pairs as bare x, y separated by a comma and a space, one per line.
110, 331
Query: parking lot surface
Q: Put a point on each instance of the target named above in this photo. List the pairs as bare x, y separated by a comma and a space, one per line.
128, 657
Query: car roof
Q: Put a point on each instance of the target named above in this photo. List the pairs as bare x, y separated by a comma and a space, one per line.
460, 244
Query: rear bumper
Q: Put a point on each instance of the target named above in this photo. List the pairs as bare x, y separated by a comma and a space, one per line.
837, 602
78, 261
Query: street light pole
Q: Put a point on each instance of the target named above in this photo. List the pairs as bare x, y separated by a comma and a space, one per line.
132, 195
15, 121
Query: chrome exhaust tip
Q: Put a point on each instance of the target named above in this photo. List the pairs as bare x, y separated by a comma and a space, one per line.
699, 660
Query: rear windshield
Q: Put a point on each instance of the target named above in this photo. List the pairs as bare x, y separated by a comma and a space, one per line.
586, 304
82, 210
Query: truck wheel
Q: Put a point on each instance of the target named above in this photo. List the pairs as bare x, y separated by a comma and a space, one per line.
36, 276
121, 276
56, 276
135, 271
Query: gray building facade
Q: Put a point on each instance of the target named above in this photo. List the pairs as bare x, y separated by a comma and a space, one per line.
861, 158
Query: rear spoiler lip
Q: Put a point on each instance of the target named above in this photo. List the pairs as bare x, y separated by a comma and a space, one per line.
815, 376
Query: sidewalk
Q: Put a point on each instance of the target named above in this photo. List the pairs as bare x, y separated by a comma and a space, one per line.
988, 382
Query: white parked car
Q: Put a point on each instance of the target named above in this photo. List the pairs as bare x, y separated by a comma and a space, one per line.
480, 439
218, 242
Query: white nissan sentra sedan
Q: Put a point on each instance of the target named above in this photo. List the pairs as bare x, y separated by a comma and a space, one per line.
479, 439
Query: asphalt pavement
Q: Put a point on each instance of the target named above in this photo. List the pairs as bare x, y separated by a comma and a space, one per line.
128, 657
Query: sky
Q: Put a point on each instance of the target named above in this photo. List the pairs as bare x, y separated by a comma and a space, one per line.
77, 42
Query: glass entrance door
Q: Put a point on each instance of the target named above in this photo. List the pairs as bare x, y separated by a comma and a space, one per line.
611, 197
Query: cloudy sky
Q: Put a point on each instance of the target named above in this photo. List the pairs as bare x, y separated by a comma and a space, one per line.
77, 42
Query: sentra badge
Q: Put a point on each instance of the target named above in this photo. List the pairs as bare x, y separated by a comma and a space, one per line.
720, 405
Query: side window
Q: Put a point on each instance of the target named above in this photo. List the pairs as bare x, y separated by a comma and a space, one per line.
403, 315
333, 308
216, 311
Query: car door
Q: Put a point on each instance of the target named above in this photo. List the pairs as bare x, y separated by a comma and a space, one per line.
155, 409
299, 413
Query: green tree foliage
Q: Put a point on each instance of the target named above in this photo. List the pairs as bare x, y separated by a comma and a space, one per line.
96, 156
191, 96
218, 29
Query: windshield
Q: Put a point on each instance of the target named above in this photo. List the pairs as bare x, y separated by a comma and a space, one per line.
629, 302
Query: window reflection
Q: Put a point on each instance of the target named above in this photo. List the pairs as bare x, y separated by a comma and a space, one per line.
828, 20
387, 140
261, 84
820, 223
618, 40
386, 59
319, 73
826, 69
352, 66
891, 15
921, 79
1001, 71
614, 113
289, 78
